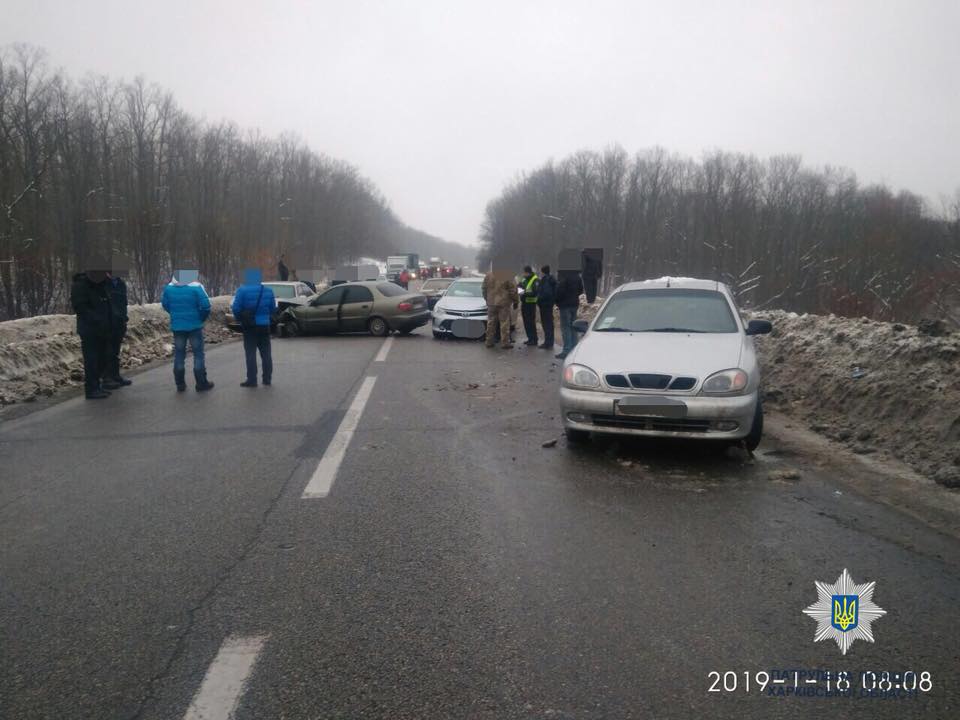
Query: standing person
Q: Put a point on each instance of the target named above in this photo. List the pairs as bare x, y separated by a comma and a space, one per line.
404, 279
90, 298
569, 289
112, 379
254, 305
189, 307
500, 294
545, 302
282, 271
530, 284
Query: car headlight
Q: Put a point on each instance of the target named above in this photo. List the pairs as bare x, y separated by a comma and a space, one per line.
580, 376
726, 382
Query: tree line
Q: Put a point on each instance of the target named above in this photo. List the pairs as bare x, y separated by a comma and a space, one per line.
117, 168
780, 233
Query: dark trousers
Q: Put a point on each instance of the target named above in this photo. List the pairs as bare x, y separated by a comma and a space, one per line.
96, 352
111, 368
546, 319
256, 339
529, 313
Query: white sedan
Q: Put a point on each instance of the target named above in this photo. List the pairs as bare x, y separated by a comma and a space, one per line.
667, 358
461, 311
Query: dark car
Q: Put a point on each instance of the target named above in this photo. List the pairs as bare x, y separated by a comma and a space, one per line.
374, 307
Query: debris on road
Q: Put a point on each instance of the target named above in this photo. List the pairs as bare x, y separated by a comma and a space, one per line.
784, 475
550, 443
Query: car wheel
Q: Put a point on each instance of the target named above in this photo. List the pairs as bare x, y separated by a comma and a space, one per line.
378, 326
292, 328
756, 430
437, 335
576, 437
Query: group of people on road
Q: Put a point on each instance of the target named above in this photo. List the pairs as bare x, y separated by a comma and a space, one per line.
533, 294
99, 299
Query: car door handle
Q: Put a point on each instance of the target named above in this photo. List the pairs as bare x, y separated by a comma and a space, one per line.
364, 307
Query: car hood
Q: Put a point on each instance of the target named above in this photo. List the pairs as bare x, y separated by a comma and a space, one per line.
693, 354
461, 303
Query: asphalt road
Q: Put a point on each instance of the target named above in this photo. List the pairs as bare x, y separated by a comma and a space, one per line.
159, 559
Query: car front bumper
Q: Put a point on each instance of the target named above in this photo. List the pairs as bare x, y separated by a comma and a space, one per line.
709, 418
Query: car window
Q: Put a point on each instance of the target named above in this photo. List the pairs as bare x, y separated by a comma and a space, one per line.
358, 293
667, 310
283, 291
465, 290
331, 297
390, 290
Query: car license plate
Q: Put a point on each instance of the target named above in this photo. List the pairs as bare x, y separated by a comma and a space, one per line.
651, 407
467, 328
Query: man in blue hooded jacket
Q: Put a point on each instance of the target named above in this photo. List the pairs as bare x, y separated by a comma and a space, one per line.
189, 307
253, 305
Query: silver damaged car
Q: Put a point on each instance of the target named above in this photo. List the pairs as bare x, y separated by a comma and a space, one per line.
665, 358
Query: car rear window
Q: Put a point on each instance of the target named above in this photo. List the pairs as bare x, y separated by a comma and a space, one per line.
391, 290
283, 291
667, 310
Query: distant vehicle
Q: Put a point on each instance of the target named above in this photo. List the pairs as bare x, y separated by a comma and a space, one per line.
374, 307
288, 294
356, 273
397, 263
433, 288
665, 358
462, 311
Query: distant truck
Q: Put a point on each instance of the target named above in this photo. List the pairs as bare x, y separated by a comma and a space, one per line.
398, 263
353, 273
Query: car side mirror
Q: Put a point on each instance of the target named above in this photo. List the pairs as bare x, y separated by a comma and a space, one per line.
580, 326
759, 327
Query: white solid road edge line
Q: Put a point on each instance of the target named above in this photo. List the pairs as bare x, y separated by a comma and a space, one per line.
223, 686
384, 349
322, 479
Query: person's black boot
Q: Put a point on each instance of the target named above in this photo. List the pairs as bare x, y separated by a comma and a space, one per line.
180, 377
121, 380
250, 383
202, 383
97, 395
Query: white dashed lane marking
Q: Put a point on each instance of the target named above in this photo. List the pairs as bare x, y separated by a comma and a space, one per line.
384, 349
322, 479
223, 686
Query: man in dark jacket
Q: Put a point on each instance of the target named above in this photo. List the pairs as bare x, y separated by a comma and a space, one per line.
282, 270
545, 302
112, 379
90, 298
569, 289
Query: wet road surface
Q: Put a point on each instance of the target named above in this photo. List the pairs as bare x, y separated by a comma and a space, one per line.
160, 558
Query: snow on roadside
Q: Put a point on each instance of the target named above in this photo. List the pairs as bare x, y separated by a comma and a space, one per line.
873, 386
41, 355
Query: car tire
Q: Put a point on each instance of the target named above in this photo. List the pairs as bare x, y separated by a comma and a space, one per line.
292, 328
378, 327
437, 335
756, 430
576, 437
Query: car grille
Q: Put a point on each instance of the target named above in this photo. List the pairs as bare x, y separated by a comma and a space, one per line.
639, 422
465, 313
650, 381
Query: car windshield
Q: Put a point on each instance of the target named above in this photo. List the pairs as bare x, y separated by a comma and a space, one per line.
435, 284
391, 290
465, 290
667, 310
282, 291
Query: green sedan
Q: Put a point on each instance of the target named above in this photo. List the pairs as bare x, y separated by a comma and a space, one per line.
374, 307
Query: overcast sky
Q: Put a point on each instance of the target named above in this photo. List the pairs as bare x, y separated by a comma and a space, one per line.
441, 102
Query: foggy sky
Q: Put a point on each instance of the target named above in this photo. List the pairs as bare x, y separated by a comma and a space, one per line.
441, 102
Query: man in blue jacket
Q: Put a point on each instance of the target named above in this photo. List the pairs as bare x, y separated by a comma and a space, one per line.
253, 305
189, 307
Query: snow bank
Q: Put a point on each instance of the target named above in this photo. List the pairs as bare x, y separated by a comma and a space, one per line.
874, 386
40, 355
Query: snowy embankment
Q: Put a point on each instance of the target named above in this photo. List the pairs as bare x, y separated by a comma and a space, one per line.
873, 386
41, 355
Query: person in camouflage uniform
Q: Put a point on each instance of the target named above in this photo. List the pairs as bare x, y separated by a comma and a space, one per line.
500, 292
